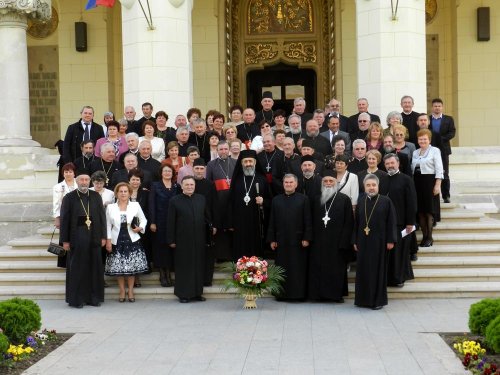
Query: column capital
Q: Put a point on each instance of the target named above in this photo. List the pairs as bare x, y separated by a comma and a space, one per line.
40, 9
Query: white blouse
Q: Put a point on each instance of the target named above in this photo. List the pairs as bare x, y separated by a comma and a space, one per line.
107, 196
430, 162
350, 187
58, 192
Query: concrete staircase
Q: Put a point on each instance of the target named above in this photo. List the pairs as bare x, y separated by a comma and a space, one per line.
464, 262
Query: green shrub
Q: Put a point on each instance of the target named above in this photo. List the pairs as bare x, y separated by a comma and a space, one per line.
482, 313
19, 318
493, 334
4, 344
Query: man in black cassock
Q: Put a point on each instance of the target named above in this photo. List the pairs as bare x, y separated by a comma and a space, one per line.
83, 233
207, 189
220, 172
333, 223
290, 232
248, 205
106, 163
186, 233
374, 235
401, 191
309, 181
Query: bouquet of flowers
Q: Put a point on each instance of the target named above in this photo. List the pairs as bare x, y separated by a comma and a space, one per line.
254, 276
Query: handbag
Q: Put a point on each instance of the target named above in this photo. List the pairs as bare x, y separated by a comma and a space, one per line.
135, 222
55, 248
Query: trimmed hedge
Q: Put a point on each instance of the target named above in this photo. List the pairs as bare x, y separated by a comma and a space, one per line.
18, 318
482, 313
4, 344
493, 334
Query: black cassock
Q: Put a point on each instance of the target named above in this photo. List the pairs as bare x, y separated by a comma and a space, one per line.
245, 218
207, 189
401, 191
371, 266
84, 268
330, 248
289, 225
186, 227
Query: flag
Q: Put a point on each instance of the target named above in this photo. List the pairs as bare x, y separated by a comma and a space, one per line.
90, 4
106, 3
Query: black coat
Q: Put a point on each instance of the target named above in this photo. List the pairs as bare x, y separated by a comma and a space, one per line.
122, 176
74, 137
447, 132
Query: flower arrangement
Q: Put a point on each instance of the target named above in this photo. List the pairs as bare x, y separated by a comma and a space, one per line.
16, 353
253, 276
474, 359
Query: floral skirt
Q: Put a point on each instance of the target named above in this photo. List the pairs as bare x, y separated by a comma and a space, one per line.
127, 257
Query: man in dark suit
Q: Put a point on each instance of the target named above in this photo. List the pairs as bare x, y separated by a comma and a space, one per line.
299, 108
132, 127
334, 125
362, 108
320, 144
409, 118
82, 130
147, 111
444, 126
334, 106
130, 162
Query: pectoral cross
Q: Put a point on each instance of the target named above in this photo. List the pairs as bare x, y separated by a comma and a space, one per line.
88, 222
246, 199
367, 230
326, 219
268, 168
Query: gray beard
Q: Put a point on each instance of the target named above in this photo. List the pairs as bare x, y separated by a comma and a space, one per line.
308, 174
83, 189
313, 134
295, 131
388, 150
392, 171
371, 195
249, 171
327, 193
223, 157
88, 155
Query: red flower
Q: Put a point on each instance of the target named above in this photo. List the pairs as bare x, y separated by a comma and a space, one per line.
487, 371
475, 357
493, 367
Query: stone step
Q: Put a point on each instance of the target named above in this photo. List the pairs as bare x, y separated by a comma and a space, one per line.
13, 255
464, 238
459, 250
457, 262
464, 289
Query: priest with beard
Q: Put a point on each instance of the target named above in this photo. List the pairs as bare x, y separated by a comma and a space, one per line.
333, 224
83, 234
284, 164
106, 163
401, 190
404, 160
83, 162
207, 189
220, 172
309, 181
290, 232
186, 233
268, 160
249, 201
374, 236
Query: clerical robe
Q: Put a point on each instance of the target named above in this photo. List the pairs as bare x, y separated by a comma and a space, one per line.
84, 268
401, 191
186, 228
372, 256
289, 225
330, 248
247, 219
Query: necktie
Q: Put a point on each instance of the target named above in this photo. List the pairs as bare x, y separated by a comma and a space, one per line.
86, 136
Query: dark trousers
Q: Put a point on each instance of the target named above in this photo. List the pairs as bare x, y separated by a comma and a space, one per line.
445, 184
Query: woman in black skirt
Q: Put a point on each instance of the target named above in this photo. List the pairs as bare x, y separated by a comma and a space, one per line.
427, 168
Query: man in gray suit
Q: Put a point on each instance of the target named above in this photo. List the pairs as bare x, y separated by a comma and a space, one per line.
334, 125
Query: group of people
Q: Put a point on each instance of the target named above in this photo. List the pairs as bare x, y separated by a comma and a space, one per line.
315, 191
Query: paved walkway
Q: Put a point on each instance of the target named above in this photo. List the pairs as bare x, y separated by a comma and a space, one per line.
218, 337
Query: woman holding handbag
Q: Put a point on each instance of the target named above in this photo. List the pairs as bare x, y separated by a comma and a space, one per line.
126, 257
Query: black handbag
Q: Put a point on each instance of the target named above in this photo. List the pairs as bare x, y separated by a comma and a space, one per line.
55, 248
135, 222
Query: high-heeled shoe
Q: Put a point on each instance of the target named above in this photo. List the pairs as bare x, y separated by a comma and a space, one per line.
131, 299
121, 299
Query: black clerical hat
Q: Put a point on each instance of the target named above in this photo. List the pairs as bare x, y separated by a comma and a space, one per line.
307, 158
329, 173
248, 154
199, 162
267, 95
307, 143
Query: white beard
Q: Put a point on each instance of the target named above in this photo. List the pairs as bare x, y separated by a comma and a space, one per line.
249, 171
327, 193
295, 131
83, 189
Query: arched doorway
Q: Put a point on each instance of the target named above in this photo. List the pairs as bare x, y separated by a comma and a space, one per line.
292, 40
286, 82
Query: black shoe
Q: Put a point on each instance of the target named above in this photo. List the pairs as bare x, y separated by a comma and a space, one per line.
76, 306
400, 285
96, 304
426, 243
340, 300
446, 200
137, 285
414, 257
183, 300
377, 307
200, 298
207, 284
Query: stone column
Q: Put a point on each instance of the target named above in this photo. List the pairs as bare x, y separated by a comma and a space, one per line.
391, 54
157, 63
14, 99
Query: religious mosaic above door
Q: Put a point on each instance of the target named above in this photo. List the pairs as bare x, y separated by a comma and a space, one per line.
279, 16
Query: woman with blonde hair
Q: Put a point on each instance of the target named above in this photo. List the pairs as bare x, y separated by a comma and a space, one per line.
375, 136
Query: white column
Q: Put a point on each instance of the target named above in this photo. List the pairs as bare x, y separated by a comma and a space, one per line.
157, 64
391, 54
14, 99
